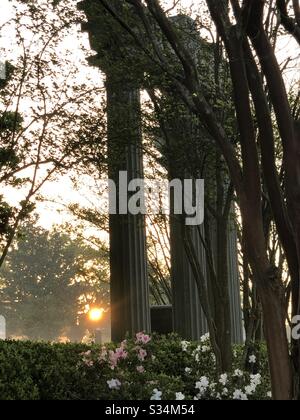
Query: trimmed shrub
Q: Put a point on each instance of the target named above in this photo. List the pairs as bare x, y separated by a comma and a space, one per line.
141, 369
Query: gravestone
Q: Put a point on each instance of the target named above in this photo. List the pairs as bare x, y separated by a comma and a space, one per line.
2, 328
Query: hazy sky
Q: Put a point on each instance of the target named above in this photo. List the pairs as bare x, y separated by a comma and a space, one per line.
63, 190
5, 11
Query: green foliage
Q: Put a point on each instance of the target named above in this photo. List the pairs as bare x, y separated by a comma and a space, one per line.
44, 280
8, 157
6, 214
116, 50
10, 121
31, 371
16, 382
9, 70
80, 372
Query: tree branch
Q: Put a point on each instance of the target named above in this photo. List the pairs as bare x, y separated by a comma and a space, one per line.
290, 25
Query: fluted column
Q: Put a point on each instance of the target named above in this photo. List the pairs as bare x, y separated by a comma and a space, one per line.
128, 258
130, 308
188, 318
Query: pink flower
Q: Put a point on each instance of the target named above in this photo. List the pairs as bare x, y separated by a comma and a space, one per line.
113, 359
140, 369
142, 355
142, 338
121, 353
87, 354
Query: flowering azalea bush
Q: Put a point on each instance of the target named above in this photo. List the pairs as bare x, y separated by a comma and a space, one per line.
169, 368
144, 368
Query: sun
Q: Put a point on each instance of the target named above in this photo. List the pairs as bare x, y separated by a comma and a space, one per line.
96, 314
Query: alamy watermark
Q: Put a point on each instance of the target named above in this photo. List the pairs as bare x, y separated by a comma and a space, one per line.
296, 327
143, 196
2, 70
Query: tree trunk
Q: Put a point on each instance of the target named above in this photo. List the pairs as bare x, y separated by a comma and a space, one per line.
272, 296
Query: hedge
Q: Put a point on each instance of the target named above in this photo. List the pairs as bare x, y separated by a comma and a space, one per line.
143, 368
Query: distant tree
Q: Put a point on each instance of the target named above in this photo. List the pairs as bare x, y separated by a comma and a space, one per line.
47, 282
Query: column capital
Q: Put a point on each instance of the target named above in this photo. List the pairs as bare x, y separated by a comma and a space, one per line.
115, 48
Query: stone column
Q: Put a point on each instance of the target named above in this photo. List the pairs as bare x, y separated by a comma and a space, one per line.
129, 281
130, 309
188, 318
186, 139
128, 258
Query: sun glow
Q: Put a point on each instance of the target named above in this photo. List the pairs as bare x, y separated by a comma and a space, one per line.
96, 314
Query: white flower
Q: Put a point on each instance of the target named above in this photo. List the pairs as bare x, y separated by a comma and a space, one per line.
225, 392
249, 390
114, 384
239, 395
140, 369
103, 354
204, 338
238, 373
212, 387
156, 396
180, 396
252, 359
223, 379
205, 349
185, 345
269, 395
203, 383
188, 370
255, 379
